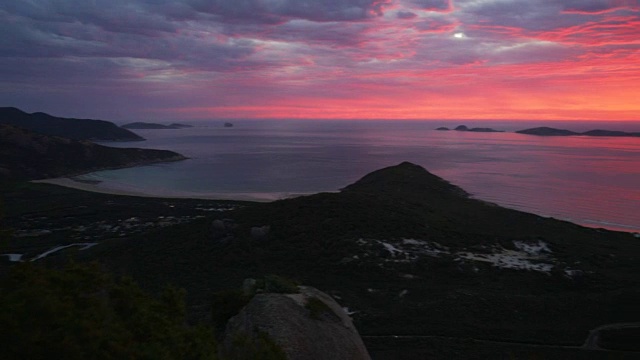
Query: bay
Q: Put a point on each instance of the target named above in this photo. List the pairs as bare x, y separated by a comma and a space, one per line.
594, 181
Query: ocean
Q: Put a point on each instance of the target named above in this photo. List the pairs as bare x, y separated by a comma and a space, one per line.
593, 181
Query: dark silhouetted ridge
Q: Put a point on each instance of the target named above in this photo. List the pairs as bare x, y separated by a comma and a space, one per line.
599, 132
26, 155
77, 129
547, 131
405, 178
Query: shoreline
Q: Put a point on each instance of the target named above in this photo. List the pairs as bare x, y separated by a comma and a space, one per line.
69, 182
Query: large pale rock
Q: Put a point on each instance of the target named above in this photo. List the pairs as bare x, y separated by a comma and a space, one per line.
302, 334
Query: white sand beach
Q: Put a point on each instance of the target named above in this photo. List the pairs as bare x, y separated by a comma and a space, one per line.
96, 187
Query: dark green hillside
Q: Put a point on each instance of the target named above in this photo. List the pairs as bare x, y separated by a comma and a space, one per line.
411, 255
78, 129
80, 312
28, 155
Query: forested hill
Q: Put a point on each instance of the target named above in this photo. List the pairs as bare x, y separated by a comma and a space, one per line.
26, 155
77, 129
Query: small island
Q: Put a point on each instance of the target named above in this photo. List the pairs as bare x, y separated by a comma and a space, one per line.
548, 131
465, 128
155, 126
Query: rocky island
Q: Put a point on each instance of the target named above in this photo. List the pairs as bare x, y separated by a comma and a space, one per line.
548, 131
465, 128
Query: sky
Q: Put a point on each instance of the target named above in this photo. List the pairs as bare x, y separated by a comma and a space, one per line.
352, 59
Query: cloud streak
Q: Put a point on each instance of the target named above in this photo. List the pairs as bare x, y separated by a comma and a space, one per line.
418, 59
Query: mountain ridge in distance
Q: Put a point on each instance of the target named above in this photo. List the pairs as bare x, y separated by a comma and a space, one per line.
27, 155
77, 129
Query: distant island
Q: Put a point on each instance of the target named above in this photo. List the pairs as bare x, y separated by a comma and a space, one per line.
465, 128
77, 129
27, 155
548, 131
145, 125
228, 124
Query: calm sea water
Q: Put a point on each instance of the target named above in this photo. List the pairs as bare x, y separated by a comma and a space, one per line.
587, 180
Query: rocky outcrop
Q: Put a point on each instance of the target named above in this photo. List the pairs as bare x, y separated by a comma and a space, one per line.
308, 325
222, 230
260, 232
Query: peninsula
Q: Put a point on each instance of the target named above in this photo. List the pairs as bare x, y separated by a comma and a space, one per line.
27, 155
76, 129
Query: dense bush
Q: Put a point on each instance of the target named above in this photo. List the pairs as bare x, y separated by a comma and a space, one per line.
80, 312
280, 285
225, 305
317, 308
260, 347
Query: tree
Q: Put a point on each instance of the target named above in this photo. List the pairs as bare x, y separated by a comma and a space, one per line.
81, 312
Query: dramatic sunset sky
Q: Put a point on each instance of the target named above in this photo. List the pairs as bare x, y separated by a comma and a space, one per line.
365, 59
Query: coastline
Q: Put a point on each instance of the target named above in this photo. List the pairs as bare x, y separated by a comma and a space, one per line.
93, 187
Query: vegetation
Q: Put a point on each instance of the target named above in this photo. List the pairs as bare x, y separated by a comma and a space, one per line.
225, 305
78, 129
29, 155
317, 308
277, 284
5, 233
260, 347
334, 241
80, 312
620, 339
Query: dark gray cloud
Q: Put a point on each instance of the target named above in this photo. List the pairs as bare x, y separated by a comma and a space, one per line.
279, 11
97, 54
406, 15
597, 6
527, 15
433, 5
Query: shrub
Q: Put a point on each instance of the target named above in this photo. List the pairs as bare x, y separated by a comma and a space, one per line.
280, 285
225, 305
317, 308
259, 347
81, 312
